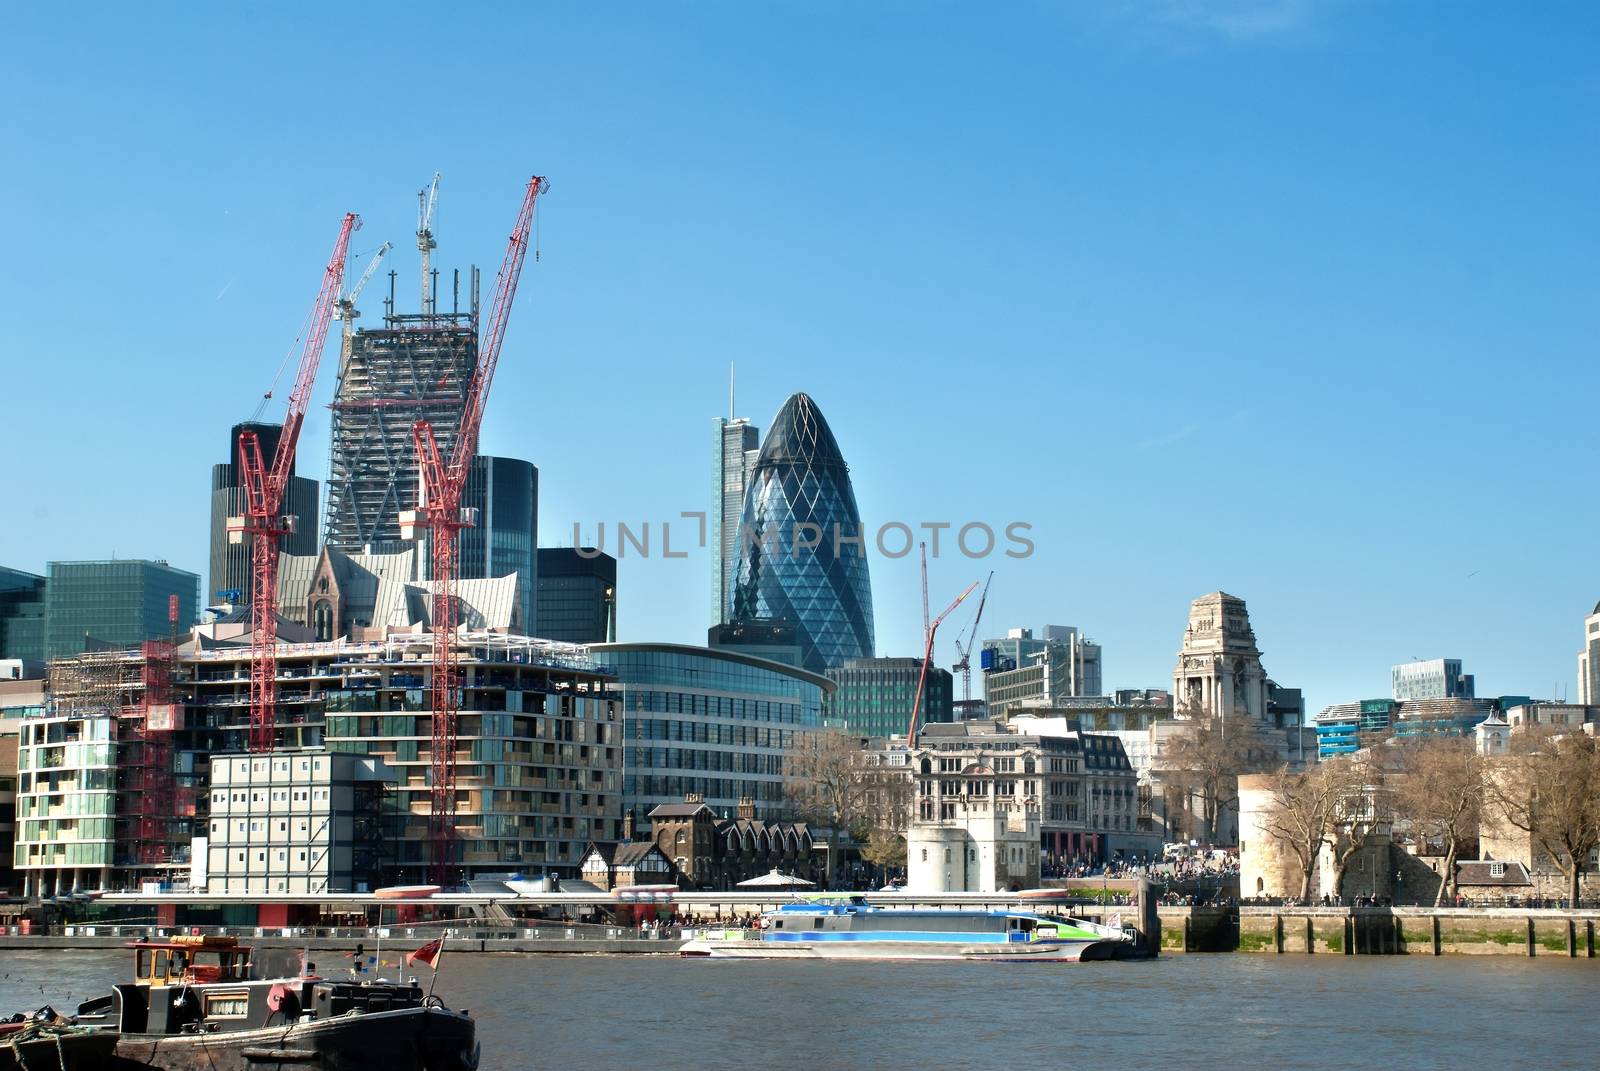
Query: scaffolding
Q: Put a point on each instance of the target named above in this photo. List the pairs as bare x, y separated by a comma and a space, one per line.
416, 367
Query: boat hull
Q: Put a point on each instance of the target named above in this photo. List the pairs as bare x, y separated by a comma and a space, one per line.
88, 1050
407, 1039
985, 952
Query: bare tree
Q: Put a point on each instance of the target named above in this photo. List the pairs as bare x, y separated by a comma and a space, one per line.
1204, 760
827, 782
1438, 794
1306, 809
1550, 789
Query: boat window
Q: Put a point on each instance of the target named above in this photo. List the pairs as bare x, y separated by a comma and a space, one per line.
778, 925
141, 964
816, 924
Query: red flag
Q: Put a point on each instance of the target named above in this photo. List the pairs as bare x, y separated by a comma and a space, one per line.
428, 953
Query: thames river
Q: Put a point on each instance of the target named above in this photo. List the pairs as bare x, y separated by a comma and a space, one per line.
1244, 1011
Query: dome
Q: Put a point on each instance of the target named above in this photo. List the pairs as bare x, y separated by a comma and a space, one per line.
799, 493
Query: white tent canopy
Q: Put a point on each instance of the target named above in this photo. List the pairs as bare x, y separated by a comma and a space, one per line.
775, 880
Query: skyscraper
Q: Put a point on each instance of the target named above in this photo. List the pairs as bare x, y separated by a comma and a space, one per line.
505, 492
735, 452
801, 551
22, 609
577, 595
230, 562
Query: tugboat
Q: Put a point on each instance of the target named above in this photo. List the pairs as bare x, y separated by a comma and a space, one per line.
195, 1003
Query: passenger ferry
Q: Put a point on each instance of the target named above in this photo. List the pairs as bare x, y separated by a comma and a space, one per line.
851, 928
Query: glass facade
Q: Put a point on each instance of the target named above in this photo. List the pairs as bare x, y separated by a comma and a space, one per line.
22, 608
114, 603
876, 695
505, 492
577, 595
230, 562
801, 555
711, 722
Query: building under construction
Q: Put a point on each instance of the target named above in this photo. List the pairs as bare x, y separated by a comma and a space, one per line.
414, 367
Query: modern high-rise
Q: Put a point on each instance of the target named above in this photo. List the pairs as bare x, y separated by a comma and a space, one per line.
736, 448
505, 493
230, 562
22, 614
117, 603
1438, 678
875, 696
577, 596
1589, 660
802, 554
414, 367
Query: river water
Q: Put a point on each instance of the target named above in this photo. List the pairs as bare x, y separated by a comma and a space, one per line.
1248, 1011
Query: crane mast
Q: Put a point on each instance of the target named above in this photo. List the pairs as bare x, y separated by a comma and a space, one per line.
964, 663
263, 522
927, 659
439, 515
345, 308
427, 201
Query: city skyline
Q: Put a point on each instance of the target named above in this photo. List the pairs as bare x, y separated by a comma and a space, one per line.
1281, 329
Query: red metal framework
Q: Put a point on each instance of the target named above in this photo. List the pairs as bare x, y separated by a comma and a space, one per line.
439, 513
152, 728
263, 496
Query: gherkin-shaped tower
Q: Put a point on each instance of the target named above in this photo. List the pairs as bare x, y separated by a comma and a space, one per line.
799, 495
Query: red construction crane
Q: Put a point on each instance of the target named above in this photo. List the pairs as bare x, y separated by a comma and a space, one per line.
927, 652
263, 523
439, 512
964, 663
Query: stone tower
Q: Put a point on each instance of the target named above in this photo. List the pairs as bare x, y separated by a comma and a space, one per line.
1219, 666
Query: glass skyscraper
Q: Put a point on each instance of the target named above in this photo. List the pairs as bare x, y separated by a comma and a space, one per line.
230, 562
505, 492
801, 548
22, 607
736, 450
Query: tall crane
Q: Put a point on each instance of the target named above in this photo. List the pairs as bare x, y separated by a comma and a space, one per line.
927, 648
964, 663
263, 487
427, 201
345, 308
440, 515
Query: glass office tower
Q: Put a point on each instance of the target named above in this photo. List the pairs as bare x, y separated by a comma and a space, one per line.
802, 556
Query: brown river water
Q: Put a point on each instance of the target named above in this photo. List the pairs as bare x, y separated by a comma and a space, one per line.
1245, 1012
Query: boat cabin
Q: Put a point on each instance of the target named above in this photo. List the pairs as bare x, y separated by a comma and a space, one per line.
190, 961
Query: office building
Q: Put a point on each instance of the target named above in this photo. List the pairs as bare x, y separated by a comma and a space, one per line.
777, 641
1438, 678
735, 448
577, 595
1050, 669
875, 696
229, 578
22, 615
119, 603
802, 554
708, 723
1589, 660
503, 493
1080, 786
295, 822
1343, 728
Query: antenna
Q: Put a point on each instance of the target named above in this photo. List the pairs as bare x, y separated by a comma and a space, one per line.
730, 391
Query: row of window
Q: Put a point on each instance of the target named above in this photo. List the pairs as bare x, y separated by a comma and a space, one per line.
700, 732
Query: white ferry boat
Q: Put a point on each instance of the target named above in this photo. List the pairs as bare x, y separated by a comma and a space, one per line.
851, 928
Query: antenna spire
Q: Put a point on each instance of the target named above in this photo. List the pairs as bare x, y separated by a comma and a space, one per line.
730, 391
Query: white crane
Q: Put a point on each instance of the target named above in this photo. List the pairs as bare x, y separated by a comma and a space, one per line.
345, 308
427, 201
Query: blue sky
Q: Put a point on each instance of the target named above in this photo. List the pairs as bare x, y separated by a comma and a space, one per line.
1293, 299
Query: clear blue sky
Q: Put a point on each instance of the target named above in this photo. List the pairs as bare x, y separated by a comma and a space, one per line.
1296, 300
